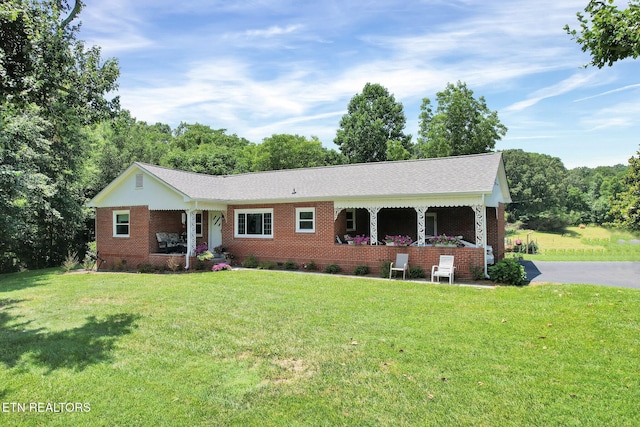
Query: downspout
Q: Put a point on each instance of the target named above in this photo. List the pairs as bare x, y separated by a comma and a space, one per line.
484, 237
186, 254
191, 234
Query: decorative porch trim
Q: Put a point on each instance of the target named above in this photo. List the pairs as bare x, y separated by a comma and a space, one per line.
373, 224
336, 212
422, 228
480, 225
191, 232
442, 202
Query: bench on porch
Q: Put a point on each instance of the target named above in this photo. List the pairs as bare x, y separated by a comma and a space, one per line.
170, 242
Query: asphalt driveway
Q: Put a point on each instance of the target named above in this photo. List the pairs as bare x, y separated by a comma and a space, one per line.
624, 274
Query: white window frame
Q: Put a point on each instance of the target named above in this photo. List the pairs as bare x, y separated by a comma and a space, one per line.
353, 219
299, 220
116, 223
239, 212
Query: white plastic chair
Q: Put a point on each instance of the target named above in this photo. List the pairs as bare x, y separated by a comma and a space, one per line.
444, 269
401, 264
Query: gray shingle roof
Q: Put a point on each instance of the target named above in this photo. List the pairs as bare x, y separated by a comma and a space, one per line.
428, 177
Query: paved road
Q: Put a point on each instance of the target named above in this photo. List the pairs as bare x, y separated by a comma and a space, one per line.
624, 274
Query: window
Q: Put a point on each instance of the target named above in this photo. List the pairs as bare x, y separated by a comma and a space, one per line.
120, 223
431, 224
254, 223
351, 219
199, 224
305, 220
139, 180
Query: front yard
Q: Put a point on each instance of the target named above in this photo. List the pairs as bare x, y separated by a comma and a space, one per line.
277, 348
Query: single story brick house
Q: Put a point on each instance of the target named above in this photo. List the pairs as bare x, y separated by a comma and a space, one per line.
301, 215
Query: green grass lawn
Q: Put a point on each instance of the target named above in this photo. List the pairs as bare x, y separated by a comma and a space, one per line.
581, 244
277, 348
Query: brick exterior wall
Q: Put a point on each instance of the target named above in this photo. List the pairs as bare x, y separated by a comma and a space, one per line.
287, 245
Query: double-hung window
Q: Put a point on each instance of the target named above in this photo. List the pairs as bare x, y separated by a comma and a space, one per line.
121, 223
351, 219
305, 220
254, 223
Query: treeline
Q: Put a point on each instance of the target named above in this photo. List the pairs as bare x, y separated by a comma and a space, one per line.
62, 140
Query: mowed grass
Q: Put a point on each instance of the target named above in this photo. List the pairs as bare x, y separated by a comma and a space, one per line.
277, 348
581, 244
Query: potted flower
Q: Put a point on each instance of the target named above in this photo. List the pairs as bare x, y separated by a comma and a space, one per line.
398, 240
203, 253
445, 241
361, 240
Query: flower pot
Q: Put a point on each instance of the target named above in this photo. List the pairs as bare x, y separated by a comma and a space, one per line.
391, 243
443, 245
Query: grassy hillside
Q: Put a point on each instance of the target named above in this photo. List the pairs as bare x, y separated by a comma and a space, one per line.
580, 244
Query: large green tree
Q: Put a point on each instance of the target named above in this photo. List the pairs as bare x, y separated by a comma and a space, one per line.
286, 151
538, 190
460, 125
626, 207
51, 87
608, 33
373, 120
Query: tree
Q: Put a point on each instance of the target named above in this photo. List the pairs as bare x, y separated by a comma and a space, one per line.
609, 34
626, 208
373, 119
537, 186
51, 87
289, 152
460, 125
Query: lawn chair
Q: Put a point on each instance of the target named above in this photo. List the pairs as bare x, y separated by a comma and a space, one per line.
401, 264
444, 269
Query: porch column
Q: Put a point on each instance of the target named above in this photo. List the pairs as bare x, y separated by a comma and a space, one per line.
191, 233
373, 224
422, 229
480, 225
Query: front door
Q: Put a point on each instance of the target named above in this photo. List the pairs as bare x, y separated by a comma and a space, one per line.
215, 229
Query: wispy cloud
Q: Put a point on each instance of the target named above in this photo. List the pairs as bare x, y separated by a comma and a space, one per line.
609, 92
572, 83
273, 31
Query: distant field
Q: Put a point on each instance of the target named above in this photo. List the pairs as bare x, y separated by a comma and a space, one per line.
581, 244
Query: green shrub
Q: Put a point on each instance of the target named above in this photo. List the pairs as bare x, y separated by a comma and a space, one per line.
361, 270
384, 269
508, 271
416, 273
267, 265
146, 268
477, 272
290, 265
310, 266
70, 262
250, 262
332, 269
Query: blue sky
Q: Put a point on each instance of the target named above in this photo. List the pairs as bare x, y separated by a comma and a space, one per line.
259, 67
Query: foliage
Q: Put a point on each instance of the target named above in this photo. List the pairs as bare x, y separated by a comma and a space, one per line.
416, 273
477, 272
607, 33
51, 86
220, 267
310, 266
384, 269
285, 151
508, 271
626, 208
332, 269
398, 240
460, 125
373, 120
290, 265
361, 270
443, 239
250, 262
537, 185
146, 268
358, 240
174, 264
70, 262
203, 253
267, 265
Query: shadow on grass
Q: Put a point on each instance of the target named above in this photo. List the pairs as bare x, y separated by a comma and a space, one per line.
26, 279
75, 348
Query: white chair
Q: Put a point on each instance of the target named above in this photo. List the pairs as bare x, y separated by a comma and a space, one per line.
444, 269
401, 264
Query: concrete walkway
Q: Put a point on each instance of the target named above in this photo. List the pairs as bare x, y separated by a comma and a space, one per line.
623, 274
